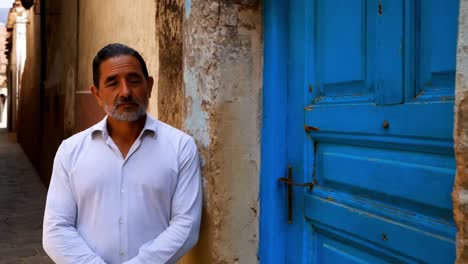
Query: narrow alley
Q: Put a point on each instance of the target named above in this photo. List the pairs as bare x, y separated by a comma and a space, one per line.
22, 198
308, 131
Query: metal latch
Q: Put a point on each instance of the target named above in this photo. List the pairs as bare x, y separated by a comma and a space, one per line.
289, 184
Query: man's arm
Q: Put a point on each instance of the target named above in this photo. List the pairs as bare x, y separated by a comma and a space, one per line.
61, 240
184, 226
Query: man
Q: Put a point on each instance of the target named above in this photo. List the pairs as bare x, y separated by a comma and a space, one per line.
126, 190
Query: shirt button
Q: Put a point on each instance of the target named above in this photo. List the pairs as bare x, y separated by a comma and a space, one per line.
122, 190
121, 253
120, 221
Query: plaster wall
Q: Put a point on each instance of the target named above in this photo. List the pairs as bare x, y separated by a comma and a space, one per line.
169, 26
46, 106
29, 117
3, 58
108, 21
14, 66
460, 193
12, 80
222, 63
60, 63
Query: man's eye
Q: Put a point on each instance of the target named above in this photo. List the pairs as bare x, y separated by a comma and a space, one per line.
134, 81
111, 84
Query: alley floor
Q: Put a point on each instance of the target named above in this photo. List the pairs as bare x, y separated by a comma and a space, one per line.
22, 199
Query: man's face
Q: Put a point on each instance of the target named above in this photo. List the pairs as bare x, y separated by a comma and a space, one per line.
123, 90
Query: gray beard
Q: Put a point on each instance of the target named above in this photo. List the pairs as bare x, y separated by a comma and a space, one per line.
128, 116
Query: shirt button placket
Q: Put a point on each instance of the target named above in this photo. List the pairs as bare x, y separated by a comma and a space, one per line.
122, 211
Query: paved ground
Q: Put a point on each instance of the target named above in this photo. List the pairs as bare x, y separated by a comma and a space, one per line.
22, 198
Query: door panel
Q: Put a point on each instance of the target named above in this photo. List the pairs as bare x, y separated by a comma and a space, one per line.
389, 51
416, 120
343, 44
383, 165
437, 29
345, 48
389, 176
333, 250
360, 229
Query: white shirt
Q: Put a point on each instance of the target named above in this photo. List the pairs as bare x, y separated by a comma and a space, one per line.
103, 208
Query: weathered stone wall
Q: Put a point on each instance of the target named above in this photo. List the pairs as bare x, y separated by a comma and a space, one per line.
46, 114
108, 21
29, 117
222, 86
60, 81
16, 25
3, 58
169, 19
460, 194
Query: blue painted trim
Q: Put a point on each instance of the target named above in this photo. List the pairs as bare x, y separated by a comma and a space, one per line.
273, 217
300, 13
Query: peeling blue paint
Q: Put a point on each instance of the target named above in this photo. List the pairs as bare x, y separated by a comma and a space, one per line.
187, 8
196, 121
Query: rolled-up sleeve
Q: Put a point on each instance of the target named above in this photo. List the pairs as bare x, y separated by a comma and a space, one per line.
61, 240
183, 230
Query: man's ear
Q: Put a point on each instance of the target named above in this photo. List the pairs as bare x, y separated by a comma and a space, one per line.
150, 83
95, 92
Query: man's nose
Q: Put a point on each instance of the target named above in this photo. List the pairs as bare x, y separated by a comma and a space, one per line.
125, 89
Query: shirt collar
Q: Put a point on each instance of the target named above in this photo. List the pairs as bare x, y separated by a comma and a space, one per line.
151, 127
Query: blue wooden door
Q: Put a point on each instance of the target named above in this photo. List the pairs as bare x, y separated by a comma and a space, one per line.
378, 100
